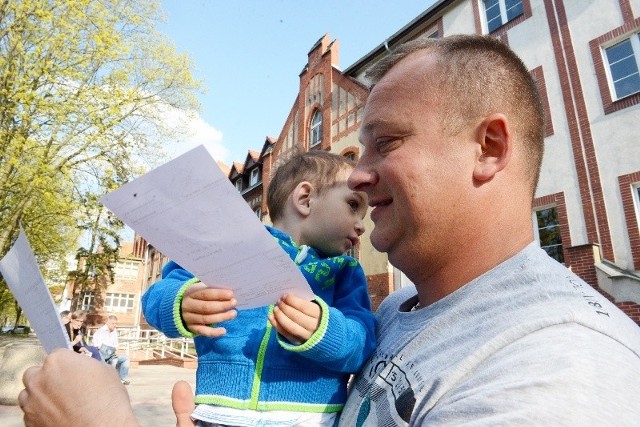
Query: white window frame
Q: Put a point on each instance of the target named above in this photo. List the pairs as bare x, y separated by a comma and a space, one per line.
238, 184
254, 178
127, 270
634, 38
503, 14
636, 200
258, 212
315, 129
87, 300
113, 302
536, 230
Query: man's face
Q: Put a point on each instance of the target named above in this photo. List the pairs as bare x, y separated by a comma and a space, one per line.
111, 324
414, 174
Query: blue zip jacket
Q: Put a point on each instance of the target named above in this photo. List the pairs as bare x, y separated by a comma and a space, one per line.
254, 367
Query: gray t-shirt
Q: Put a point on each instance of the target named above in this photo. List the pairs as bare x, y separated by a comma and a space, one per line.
527, 343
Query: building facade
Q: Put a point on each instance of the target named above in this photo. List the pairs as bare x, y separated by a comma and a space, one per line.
104, 296
585, 57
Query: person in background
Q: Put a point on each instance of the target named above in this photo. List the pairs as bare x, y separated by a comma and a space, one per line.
64, 317
106, 340
77, 331
288, 363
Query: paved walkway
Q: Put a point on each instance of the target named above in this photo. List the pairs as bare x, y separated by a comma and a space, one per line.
150, 393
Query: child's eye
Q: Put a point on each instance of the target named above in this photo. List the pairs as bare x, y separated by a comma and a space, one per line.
354, 205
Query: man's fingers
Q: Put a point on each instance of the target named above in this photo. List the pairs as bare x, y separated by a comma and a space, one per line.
183, 404
22, 399
28, 375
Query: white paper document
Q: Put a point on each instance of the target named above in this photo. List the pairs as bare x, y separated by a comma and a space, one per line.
189, 210
20, 270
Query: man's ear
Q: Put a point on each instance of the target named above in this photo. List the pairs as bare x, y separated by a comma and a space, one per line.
301, 198
495, 146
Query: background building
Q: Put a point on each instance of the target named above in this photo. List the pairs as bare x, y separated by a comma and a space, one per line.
584, 56
103, 296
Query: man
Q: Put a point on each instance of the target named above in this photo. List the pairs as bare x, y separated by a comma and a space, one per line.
495, 332
106, 339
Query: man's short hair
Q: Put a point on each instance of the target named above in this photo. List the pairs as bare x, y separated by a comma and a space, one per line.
477, 76
64, 313
320, 168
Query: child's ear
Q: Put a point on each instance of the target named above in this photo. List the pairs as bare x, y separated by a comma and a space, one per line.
494, 147
301, 198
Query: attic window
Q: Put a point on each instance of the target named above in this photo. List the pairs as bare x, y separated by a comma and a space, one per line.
239, 184
255, 177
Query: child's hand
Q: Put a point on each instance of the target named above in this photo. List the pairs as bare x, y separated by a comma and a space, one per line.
202, 306
295, 318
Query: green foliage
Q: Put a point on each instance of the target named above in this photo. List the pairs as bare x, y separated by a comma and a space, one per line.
83, 85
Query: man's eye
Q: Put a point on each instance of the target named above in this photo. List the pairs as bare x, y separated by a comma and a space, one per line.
384, 145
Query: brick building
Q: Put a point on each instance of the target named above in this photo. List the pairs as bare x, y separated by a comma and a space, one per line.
120, 297
585, 57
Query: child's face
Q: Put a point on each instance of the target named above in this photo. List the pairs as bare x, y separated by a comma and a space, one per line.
335, 221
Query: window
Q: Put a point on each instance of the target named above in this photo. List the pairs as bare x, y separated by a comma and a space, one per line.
315, 131
119, 303
548, 232
499, 12
127, 270
87, 300
258, 212
239, 184
636, 195
255, 177
623, 59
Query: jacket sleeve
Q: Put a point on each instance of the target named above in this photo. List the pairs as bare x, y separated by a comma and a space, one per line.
346, 335
161, 303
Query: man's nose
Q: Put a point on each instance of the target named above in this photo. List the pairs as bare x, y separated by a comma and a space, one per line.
361, 177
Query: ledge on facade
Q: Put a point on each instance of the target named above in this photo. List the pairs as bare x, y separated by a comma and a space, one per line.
622, 284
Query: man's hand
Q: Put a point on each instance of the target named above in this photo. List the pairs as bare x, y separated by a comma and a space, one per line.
295, 318
183, 404
203, 306
70, 389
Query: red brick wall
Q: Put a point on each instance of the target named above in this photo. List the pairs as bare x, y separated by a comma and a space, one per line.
581, 260
380, 285
631, 309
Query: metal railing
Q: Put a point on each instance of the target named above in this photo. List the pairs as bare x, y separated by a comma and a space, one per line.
154, 344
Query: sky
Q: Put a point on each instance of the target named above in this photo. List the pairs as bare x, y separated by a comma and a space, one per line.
249, 54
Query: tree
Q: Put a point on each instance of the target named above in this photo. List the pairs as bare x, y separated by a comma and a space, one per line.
83, 86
